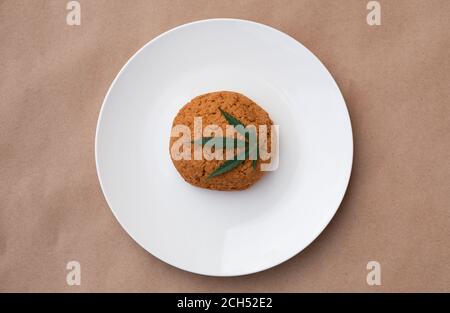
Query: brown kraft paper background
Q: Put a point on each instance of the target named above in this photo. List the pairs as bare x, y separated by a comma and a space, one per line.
394, 78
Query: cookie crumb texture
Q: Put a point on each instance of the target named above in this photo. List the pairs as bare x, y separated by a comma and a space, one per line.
207, 106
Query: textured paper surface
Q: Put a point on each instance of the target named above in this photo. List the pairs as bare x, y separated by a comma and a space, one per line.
395, 80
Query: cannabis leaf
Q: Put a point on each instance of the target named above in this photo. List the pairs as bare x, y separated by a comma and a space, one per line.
229, 165
233, 121
225, 142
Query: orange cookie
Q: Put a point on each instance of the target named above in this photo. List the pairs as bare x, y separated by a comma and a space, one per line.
219, 110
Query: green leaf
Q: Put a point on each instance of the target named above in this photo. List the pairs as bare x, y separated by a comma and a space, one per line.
229, 165
234, 122
230, 118
226, 142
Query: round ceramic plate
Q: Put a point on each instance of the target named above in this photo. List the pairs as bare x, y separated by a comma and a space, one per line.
214, 232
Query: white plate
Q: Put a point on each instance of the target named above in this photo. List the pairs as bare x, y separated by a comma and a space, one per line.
212, 232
